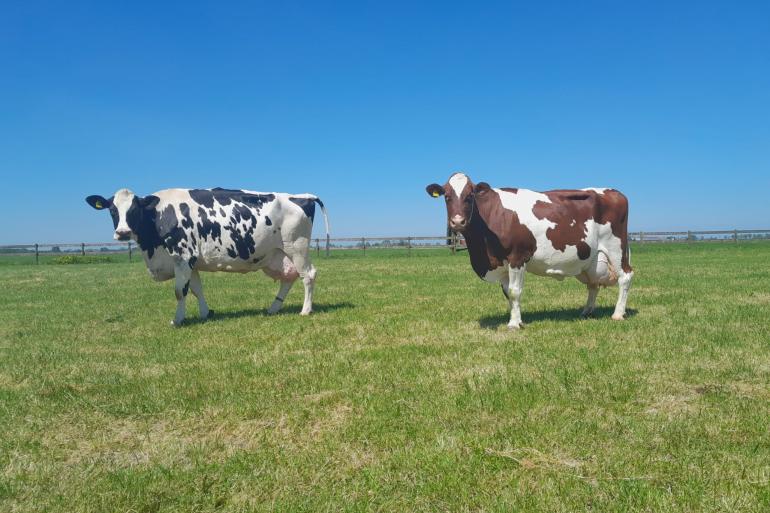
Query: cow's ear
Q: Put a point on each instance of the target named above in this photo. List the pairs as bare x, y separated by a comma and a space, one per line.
481, 188
435, 190
148, 202
98, 202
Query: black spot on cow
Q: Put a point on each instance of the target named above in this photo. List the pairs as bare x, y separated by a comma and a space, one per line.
167, 220
207, 228
171, 232
307, 206
192, 262
207, 197
268, 221
241, 228
186, 288
114, 214
187, 221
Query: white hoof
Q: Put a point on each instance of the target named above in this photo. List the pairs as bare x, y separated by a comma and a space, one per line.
618, 317
515, 325
306, 312
176, 323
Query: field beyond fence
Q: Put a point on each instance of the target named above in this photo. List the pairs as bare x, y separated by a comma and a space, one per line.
451, 241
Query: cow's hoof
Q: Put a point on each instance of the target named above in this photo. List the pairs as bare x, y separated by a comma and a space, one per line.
272, 311
618, 317
586, 314
306, 312
175, 323
207, 316
516, 326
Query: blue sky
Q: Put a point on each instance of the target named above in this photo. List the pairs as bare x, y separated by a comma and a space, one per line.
365, 103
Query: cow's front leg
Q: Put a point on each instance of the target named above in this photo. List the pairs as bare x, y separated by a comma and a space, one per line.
593, 291
515, 287
182, 275
197, 288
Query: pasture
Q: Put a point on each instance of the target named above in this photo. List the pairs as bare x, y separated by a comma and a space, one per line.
404, 391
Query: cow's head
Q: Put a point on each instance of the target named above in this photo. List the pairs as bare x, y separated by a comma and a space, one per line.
459, 195
126, 209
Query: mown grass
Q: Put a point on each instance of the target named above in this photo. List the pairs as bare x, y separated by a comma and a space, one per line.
403, 392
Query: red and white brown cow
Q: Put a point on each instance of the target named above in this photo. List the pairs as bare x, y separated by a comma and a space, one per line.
581, 233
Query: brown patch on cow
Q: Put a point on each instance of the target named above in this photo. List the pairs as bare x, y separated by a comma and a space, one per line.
569, 211
507, 239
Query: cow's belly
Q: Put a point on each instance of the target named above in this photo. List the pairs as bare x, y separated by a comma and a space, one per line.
215, 257
557, 263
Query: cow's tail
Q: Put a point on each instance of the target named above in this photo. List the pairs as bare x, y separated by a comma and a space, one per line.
316, 199
323, 211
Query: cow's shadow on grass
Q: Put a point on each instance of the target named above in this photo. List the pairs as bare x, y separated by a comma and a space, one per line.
217, 315
492, 322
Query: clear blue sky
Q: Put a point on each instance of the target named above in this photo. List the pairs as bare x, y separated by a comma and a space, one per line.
364, 103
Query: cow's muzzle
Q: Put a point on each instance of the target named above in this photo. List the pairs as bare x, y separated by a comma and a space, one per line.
122, 235
458, 223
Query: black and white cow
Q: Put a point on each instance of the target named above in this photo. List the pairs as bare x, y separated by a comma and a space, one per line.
183, 231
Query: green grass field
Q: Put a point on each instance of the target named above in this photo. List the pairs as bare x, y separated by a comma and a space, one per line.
403, 392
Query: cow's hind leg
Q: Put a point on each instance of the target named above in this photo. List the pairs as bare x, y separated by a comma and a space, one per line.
182, 275
278, 301
298, 252
625, 276
593, 291
624, 284
514, 290
309, 281
197, 288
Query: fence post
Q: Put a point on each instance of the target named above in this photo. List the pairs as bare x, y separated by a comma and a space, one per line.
130, 255
318, 247
363, 244
327, 244
83, 248
409, 245
37, 254
735, 236
641, 236
454, 242
689, 236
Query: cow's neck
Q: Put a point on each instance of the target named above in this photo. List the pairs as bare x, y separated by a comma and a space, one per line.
477, 239
142, 223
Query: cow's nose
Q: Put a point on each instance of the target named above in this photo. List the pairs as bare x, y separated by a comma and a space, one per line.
458, 222
122, 234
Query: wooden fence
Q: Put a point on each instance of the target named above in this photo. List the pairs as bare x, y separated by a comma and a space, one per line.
451, 241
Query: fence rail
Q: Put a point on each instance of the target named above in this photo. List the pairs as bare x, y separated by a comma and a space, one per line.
452, 241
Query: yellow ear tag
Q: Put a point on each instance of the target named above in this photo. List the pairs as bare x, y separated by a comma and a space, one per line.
435, 194
98, 204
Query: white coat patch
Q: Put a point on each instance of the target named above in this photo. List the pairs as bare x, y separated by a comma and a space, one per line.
458, 182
